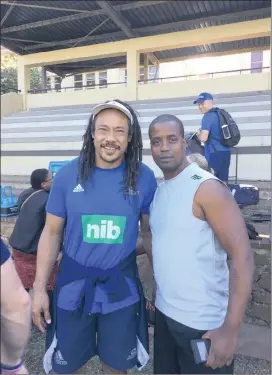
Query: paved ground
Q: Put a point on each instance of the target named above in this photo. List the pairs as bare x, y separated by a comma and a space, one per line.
243, 365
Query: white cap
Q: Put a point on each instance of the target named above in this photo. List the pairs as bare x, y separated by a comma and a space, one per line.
113, 105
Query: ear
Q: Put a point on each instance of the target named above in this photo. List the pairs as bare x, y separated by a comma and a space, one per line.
42, 185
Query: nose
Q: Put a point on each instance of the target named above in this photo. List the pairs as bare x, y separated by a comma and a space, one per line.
110, 137
164, 146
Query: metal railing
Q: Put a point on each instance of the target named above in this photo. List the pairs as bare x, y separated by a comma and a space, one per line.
74, 88
9, 89
207, 75
154, 80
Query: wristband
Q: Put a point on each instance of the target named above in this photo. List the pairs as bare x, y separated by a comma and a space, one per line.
11, 369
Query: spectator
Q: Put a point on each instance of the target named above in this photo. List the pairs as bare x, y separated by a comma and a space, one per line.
15, 317
217, 155
28, 228
195, 223
200, 161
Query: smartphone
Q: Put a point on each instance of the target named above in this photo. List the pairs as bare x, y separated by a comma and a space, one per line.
200, 350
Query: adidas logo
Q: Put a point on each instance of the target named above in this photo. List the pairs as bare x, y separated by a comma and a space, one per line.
59, 359
78, 189
196, 177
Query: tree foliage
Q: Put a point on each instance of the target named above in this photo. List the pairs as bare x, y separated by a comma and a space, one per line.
9, 80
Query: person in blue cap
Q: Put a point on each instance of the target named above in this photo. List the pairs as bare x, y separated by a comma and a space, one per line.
98, 200
217, 154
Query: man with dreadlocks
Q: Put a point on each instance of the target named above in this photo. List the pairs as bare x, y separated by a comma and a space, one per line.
99, 198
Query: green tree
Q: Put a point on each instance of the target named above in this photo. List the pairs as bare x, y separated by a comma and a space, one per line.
9, 79
35, 79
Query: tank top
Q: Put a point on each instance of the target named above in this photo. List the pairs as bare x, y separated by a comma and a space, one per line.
190, 266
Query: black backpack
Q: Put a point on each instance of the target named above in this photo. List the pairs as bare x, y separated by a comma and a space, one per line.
230, 133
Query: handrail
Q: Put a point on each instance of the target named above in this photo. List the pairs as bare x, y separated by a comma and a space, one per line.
101, 85
204, 74
157, 80
8, 90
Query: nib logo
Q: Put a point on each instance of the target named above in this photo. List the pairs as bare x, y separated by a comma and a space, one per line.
103, 229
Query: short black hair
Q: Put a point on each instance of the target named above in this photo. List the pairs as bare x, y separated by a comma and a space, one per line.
167, 118
133, 155
38, 177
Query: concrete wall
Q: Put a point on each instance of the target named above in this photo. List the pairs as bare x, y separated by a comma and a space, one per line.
54, 99
233, 84
11, 103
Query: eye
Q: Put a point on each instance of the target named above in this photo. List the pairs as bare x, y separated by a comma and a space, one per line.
173, 140
120, 131
102, 129
155, 142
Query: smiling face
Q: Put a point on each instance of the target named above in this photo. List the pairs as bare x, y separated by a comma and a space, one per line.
168, 148
111, 137
205, 106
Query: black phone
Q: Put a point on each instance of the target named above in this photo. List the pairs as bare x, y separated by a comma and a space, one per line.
200, 348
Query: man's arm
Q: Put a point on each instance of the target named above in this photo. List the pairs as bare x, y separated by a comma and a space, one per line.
146, 237
224, 216
48, 250
15, 316
203, 135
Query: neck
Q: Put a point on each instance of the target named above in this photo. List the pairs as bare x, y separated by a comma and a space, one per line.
172, 174
105, 165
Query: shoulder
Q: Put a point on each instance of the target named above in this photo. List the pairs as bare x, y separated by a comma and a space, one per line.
147, 176
5, 254
146, 171
211, 115
67, 171
213, 190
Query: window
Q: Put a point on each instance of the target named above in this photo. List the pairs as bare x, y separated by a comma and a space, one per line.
90, 80
78, 79
57, 83
48, 83
103, 80
152, 73
124, 76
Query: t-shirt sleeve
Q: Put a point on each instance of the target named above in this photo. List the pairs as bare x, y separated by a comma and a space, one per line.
5, 254
56, 204
151, 187
208, 121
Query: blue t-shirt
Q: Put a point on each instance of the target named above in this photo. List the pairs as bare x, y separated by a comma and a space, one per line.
5, 254
101, 224
211, 122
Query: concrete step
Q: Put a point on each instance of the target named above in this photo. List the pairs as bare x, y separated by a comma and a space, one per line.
150, 110
228, 98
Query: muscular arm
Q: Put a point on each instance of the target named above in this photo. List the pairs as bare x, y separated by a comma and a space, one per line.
224, 216
146, 238
48, 250
139, 247
15, 315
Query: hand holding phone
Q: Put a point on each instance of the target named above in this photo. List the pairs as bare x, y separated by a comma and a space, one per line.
200, 348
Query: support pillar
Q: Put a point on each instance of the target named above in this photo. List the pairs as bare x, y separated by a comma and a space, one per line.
133, 73
23, 82
145, 69
44, 82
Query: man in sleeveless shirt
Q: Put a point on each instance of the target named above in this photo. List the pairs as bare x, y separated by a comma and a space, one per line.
99, 198
195, 224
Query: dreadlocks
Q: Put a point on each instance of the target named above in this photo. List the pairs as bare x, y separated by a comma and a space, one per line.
133, 154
